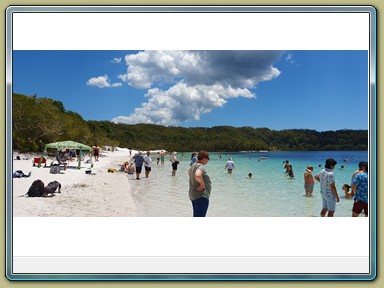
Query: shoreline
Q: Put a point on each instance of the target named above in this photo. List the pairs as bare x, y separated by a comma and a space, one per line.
100, 194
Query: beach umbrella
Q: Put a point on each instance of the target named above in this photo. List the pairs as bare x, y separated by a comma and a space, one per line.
69, 145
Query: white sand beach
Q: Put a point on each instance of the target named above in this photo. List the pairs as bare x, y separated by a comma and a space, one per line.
100, 194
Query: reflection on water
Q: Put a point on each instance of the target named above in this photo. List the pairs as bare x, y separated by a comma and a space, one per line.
268, 193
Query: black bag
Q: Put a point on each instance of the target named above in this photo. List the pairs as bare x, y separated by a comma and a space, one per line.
36, 189
52, 186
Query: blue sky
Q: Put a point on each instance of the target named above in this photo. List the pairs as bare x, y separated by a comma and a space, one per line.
320, 90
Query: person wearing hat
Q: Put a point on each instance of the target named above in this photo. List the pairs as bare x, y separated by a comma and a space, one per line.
328, 188
175, 162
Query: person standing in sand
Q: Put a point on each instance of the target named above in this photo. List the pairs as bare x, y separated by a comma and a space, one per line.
199, 185
147, 164
139, 160
230, 165
309, 182
96, 152
328, 188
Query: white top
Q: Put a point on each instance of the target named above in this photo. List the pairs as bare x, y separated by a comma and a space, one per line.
147, 161
230, 164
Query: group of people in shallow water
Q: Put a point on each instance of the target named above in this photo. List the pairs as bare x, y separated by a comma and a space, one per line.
357, 190
200, 183
140, 160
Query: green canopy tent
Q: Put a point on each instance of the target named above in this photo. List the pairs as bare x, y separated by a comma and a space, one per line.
69, 145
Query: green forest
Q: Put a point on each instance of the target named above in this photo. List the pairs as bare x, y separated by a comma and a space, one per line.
38, 121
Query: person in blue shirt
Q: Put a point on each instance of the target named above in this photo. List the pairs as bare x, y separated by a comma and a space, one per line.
360, 191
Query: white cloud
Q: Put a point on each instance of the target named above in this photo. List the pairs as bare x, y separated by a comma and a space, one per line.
102, 82
289, 58
116, 60
182, 102
199, 81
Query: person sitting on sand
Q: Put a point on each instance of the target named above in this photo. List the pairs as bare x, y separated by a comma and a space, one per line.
131, 169
309, 182
124, 167
20, 174
348, 194
72, 154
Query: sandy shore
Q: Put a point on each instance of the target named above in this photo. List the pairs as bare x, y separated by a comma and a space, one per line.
99, 194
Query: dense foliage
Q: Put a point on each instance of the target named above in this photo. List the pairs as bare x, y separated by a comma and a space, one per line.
37, 121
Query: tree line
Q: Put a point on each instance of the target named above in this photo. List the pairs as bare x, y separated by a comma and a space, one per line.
38, 121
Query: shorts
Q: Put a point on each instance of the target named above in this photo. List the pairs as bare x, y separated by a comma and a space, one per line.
174, 166
147, 168
359, 206
329, 204
309, 186
138, 169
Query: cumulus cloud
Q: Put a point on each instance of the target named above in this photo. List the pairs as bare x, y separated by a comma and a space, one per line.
199, 81
182, 102
102, 82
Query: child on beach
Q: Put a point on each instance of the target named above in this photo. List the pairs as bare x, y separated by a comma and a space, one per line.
309, 182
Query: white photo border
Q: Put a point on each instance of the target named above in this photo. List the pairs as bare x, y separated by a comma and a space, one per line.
61, 39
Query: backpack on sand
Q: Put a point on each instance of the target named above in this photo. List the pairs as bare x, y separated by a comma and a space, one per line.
55, 169
36, 189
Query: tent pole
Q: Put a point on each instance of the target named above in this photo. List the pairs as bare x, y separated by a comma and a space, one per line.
42, 156
79, 157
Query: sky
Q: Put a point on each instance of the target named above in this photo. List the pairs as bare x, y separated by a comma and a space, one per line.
318, 90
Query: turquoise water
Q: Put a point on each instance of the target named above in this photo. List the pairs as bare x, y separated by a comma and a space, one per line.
269, 193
